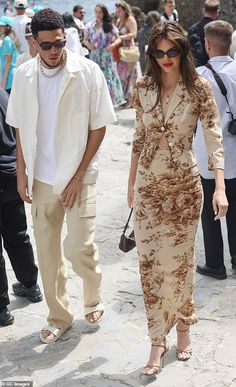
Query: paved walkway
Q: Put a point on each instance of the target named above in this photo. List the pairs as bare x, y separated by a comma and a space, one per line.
114, 354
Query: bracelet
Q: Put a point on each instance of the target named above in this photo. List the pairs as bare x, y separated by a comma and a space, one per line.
80, 178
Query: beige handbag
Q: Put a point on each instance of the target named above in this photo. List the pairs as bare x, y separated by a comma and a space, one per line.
129, 54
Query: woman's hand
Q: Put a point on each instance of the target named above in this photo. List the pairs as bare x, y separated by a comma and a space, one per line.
220, 204
130, 194
111, 47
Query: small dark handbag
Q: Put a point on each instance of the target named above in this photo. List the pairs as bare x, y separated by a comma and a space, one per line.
127, 242
232, 127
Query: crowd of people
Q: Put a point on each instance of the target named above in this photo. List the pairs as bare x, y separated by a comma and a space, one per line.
49, 156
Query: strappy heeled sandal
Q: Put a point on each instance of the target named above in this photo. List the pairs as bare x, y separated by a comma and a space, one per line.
152, 370
187, 352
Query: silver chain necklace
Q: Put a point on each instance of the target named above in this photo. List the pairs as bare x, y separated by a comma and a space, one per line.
58, 70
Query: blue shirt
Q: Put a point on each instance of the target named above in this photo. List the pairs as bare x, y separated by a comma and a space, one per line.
8, 48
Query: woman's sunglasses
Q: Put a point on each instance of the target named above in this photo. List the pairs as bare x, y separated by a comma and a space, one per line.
45, 46
171, 53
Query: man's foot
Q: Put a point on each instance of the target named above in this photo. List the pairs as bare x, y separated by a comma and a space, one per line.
156, 359
183, 348
33, 293
215, 272
95, 317
50, 334
6, 318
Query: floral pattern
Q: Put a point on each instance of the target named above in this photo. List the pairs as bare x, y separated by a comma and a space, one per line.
105, 60
127, 71
168, 199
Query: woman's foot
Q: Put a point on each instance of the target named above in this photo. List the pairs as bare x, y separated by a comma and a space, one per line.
155, 362
183, 349
128, 105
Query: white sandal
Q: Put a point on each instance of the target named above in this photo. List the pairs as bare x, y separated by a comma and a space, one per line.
96, 322
57, 332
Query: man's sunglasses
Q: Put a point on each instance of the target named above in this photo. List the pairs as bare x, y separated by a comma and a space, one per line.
171, 53
45, 46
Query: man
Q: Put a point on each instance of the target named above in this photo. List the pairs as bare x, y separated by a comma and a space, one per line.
79, 13
31, 51
60, 105
196, 32
218, 39
19, 23
13, 225
170, 13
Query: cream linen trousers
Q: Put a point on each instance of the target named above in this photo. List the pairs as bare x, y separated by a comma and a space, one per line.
79, 248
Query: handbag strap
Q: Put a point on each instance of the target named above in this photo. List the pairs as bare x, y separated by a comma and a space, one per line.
127, 223
221, 85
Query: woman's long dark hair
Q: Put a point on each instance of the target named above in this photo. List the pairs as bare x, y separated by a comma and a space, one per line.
107, 20
69, 21
174, 32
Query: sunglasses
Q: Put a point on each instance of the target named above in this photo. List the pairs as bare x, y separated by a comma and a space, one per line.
45, 46
171, 53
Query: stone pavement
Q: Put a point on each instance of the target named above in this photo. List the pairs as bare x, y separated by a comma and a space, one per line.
114, 354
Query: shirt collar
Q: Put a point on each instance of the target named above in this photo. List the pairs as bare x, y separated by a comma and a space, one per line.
223, 58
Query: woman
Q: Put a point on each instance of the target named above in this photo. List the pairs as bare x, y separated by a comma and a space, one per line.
8, 53
72, 34
127, 27
167, 196
153, 17
101, 37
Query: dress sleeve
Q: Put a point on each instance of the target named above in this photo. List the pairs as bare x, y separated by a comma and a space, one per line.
139, 134
210, 118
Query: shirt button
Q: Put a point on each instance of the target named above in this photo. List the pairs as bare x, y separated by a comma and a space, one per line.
170, 144
162, 129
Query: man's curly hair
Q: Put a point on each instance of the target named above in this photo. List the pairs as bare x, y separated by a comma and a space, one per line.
46, 20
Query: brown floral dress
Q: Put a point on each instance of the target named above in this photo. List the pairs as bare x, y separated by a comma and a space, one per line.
168, 198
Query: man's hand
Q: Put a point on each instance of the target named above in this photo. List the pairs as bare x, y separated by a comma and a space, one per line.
220, 204
72, 193
22, 187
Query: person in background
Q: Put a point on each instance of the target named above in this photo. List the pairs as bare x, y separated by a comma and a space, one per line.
32, 49
139, 16
13, 226
218, 36
57, 163
101, 37
164, 186
79, 14
37, 8
196, 33
152, 18
29, 12
72, 34
127, 27
19, 23
233, 46
8, 53
169, 13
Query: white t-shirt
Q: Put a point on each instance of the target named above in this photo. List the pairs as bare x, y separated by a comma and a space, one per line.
19, 23
46, 153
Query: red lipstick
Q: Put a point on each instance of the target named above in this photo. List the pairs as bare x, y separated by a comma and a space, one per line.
167, 64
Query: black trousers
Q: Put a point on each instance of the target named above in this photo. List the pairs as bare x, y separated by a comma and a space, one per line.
14, 238
212, 234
